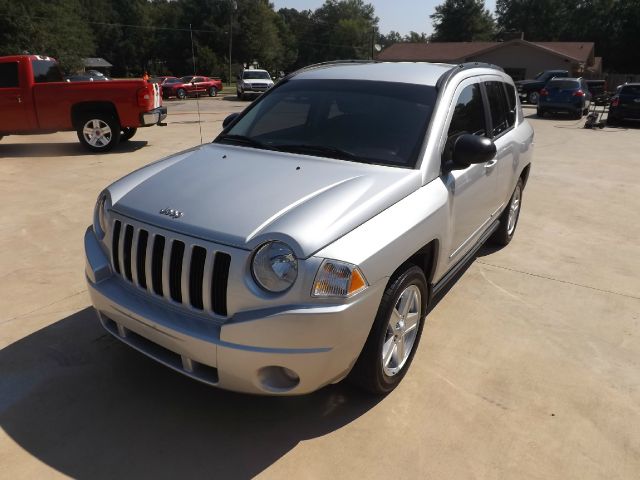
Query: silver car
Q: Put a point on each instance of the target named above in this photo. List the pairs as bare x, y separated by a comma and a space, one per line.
306, 243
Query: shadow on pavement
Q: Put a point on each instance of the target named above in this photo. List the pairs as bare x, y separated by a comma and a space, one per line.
62, 149
90, 407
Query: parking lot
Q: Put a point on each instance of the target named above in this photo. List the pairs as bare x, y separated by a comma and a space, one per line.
529, 367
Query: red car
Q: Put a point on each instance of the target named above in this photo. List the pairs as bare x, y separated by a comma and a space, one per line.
192, 85
34, 98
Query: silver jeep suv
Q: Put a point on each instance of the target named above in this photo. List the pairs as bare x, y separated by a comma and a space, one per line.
306, 243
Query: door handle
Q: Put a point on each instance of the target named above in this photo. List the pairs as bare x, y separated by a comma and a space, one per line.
19, 98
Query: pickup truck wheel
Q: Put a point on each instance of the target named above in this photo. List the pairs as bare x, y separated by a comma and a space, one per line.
127, 133
533, 98
395, 334
509, 218
213, 92
98, 132
181, 93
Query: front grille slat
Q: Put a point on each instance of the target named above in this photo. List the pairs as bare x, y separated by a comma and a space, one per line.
189, 274
175, 270
220, 280
156, 264
126, 252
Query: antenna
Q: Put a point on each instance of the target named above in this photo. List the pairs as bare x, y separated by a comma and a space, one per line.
193, 58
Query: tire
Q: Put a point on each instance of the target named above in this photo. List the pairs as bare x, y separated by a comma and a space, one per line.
181, 93
213, 92
239, 94
577, 114
127, 133
102, 141
540, 112
509, 221
613, 122
243, 96
370, 371
533, 98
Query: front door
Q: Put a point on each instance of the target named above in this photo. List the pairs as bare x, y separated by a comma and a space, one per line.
13, 107
472, 190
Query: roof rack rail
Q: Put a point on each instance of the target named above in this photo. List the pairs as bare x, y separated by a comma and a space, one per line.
329, 63
442, 81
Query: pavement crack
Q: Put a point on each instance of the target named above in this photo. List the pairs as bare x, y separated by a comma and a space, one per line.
42, 307
545, 277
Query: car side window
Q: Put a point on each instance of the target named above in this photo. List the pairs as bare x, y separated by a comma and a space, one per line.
9, 75
468, 113
498, 107
198, 80
511, 103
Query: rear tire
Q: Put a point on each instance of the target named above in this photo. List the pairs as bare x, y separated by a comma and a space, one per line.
98, 132
577, 114
127, 133
395, 333
533, 98
213, 92
509, 217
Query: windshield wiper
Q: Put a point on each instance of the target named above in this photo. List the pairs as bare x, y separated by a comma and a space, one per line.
323, 150
243, 139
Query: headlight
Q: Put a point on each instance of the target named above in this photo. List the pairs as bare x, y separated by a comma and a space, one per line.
275, 267
101, 215
338, 279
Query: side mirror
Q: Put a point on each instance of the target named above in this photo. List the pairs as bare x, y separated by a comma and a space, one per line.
471, 149
227, 121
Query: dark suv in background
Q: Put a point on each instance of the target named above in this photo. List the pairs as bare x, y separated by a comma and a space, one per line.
625, 104
569, 95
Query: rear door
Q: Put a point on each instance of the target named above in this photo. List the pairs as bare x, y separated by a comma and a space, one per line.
503, 111
472, 190
13, 104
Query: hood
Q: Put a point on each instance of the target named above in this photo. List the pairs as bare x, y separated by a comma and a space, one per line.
243, 197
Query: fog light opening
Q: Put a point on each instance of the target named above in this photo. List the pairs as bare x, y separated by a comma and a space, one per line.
278, 379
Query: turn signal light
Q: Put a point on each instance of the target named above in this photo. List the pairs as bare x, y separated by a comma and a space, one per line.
578, 93
338, 279
615, 101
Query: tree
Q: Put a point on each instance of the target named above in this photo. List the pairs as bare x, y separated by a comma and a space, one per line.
462, 21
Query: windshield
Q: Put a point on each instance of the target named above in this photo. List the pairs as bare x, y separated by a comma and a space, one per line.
45, 71
363, 121
255, 75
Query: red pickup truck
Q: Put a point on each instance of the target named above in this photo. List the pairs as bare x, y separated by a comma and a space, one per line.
34, 98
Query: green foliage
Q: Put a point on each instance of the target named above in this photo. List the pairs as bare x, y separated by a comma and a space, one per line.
462, 21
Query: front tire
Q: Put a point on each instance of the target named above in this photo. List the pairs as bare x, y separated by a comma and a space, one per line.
509, 217
533, 98
395, 334
98, 132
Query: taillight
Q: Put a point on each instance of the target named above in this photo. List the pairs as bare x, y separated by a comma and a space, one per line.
144, 97
615, 101
544, 92
578, 93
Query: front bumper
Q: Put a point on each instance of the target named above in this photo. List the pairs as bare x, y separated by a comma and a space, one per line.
153, 117
287, 350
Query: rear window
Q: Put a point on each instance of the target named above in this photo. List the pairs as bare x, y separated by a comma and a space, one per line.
45, 71
9, 75
630, 90
563, 84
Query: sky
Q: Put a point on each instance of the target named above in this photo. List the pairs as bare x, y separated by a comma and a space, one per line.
399, 15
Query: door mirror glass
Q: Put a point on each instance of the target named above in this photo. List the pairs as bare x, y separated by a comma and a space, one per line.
227, 121
471, 149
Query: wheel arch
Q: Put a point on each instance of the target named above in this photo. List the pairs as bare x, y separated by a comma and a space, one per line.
425, 258
525, 175
79, 110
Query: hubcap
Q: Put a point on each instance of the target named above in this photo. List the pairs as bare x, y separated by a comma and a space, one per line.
534, 97
402, 330
97, 133
514, 208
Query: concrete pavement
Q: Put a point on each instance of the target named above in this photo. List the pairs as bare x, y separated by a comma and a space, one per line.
529, 367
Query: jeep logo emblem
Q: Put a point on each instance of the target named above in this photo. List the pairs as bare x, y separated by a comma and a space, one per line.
170, 212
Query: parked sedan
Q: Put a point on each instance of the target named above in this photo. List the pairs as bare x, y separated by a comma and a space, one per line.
565, 95
191, 86
625, 104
